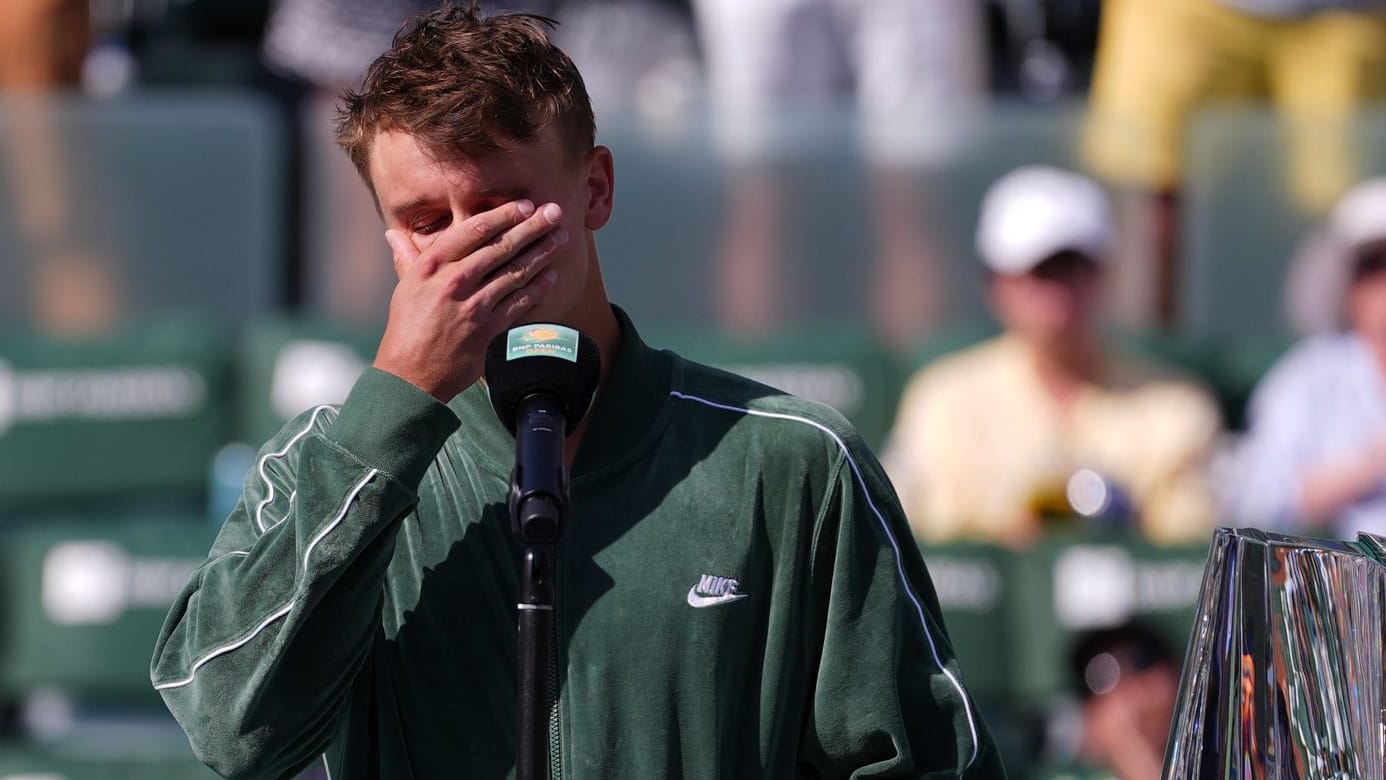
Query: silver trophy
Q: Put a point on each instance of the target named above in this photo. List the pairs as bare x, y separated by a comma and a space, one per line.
1283, 677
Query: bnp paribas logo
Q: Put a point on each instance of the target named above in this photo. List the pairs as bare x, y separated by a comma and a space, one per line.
542, 339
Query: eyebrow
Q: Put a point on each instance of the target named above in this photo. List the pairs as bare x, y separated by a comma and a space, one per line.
404, 208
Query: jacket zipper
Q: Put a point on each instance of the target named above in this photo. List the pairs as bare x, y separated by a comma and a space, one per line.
555, 754
555, 757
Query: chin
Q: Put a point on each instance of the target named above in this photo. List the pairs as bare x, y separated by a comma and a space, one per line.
540, 315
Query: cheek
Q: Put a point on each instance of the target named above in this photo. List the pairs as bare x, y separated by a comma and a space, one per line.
1088, 293
1070, 303
1368, 307
1049, 305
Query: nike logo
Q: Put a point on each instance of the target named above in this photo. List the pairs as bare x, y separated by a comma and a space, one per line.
712, 590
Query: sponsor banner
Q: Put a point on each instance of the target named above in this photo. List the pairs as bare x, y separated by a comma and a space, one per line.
100, 394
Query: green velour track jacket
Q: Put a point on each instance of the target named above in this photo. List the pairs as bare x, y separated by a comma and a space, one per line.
738, 596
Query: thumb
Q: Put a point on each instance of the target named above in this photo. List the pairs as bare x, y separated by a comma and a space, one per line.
403, 251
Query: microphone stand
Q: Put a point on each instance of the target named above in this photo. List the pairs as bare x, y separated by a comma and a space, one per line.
535, 656
538, 506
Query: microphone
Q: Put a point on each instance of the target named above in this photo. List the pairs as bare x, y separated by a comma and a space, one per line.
541, 380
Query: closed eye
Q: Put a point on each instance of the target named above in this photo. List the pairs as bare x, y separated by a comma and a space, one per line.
427, 227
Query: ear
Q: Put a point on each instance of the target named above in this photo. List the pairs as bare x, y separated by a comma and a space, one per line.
600, 172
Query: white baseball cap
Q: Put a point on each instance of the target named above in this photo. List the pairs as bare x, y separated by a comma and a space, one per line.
1035, 212
1359, 217
1323, 263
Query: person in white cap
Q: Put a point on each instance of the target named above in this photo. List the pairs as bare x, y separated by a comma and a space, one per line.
1044, 420
1313, 459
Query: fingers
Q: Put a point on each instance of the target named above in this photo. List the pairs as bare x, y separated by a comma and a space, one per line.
481, 229
519, 301
511, 243
483, 256
403, 251
530, 268
500, 278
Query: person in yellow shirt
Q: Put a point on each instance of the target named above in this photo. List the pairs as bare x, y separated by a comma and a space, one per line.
1045, 420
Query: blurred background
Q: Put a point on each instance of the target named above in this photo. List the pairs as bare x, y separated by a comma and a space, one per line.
187, 261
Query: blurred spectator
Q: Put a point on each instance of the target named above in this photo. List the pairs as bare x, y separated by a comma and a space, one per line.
1314, 456
637, 57
1044, 422
327, 44
1159, 62
72, 287
330, 42
1044, 49
1127, 678
914, 67
42, 44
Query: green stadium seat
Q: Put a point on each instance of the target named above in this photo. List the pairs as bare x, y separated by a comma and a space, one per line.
1014, 615
1243, 363
134, 414
1068, 584
1230, 366
972, 587
1068, 773
29, 762
84, 600
135, 759
1188, 352
970, 580
162, 200
290, 364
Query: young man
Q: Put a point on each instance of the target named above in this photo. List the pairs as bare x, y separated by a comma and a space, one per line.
988, 440
360, 601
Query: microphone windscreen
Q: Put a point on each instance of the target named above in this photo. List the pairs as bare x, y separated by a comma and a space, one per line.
542, 358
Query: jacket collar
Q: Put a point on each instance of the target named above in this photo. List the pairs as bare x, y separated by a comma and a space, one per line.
623, 413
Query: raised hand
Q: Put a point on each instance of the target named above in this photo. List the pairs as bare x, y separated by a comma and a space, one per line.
478, 278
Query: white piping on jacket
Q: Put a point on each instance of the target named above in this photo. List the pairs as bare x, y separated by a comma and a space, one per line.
885, 526
280, 612
264, 461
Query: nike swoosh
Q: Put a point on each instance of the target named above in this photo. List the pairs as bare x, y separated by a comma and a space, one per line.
697, 600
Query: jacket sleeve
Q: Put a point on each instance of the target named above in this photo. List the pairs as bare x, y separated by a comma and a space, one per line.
259, 652
889, 699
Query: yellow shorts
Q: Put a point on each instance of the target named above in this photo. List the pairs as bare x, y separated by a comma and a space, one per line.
1159, 60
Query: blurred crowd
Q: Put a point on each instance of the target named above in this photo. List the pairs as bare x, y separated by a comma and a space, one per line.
1048, 419
1048, 426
